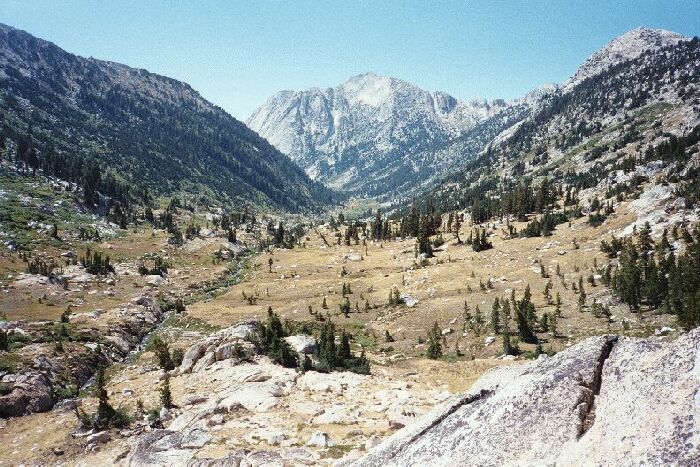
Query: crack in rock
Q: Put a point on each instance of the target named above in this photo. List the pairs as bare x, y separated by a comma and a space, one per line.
586, 405
483, 394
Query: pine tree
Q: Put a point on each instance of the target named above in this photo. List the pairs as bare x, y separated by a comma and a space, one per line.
495, 318
434, 346
629, 281
307, 364
423, 240
105, 411
525, 316
553, 324
344, 351
557, 310
478, 319
508, 348
166, 398
326, 348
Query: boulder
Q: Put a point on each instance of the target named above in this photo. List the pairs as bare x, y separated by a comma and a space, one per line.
372, 442
99, 437
408, 300
68, 405
193, 399
353, 257
192, 355
320, 439
196, 438
30, 393
221, 346
154, 280
664, 331
159, 447
302, 343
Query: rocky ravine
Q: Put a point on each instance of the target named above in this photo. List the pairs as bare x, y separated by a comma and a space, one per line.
119, 330
606, 401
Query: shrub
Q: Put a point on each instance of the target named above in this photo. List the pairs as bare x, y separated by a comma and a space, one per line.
67, 392
160, 348
176, 357
5, 388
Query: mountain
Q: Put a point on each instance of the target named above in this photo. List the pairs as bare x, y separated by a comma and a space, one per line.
625, 47
628, 130
136, 133
375, 135
369, 134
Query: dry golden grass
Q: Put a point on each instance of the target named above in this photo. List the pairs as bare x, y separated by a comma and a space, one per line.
302, 277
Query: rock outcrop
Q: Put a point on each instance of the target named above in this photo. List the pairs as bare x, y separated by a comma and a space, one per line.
33, 389
606, 401
227, 343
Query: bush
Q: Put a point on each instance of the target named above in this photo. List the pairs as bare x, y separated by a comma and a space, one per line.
4, 341
5, 388
176, 357
67, 392
160, 348
120, 418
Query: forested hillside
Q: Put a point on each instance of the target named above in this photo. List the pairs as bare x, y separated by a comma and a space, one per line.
577, 137
132, 135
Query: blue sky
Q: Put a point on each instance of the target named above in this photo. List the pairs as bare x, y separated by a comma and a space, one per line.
239, 53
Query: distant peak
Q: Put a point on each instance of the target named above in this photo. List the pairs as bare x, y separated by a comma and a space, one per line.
368, 77
642, 31
368, 74
625, 47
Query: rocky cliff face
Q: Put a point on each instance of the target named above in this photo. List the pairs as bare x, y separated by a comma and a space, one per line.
606, 401
366, 128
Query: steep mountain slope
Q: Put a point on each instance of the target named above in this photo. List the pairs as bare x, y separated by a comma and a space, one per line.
367, 135
625, 47
579, 135
148, 134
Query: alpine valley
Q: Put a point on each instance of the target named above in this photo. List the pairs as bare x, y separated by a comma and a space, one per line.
366, 274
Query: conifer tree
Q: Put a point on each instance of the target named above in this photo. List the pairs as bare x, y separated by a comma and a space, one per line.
495, 318
344, 351
166, 398
434, 345
525, 315
105, 411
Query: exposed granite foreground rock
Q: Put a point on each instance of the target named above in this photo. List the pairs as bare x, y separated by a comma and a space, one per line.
604, 401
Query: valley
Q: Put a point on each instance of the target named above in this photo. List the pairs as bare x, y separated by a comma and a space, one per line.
392, 277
